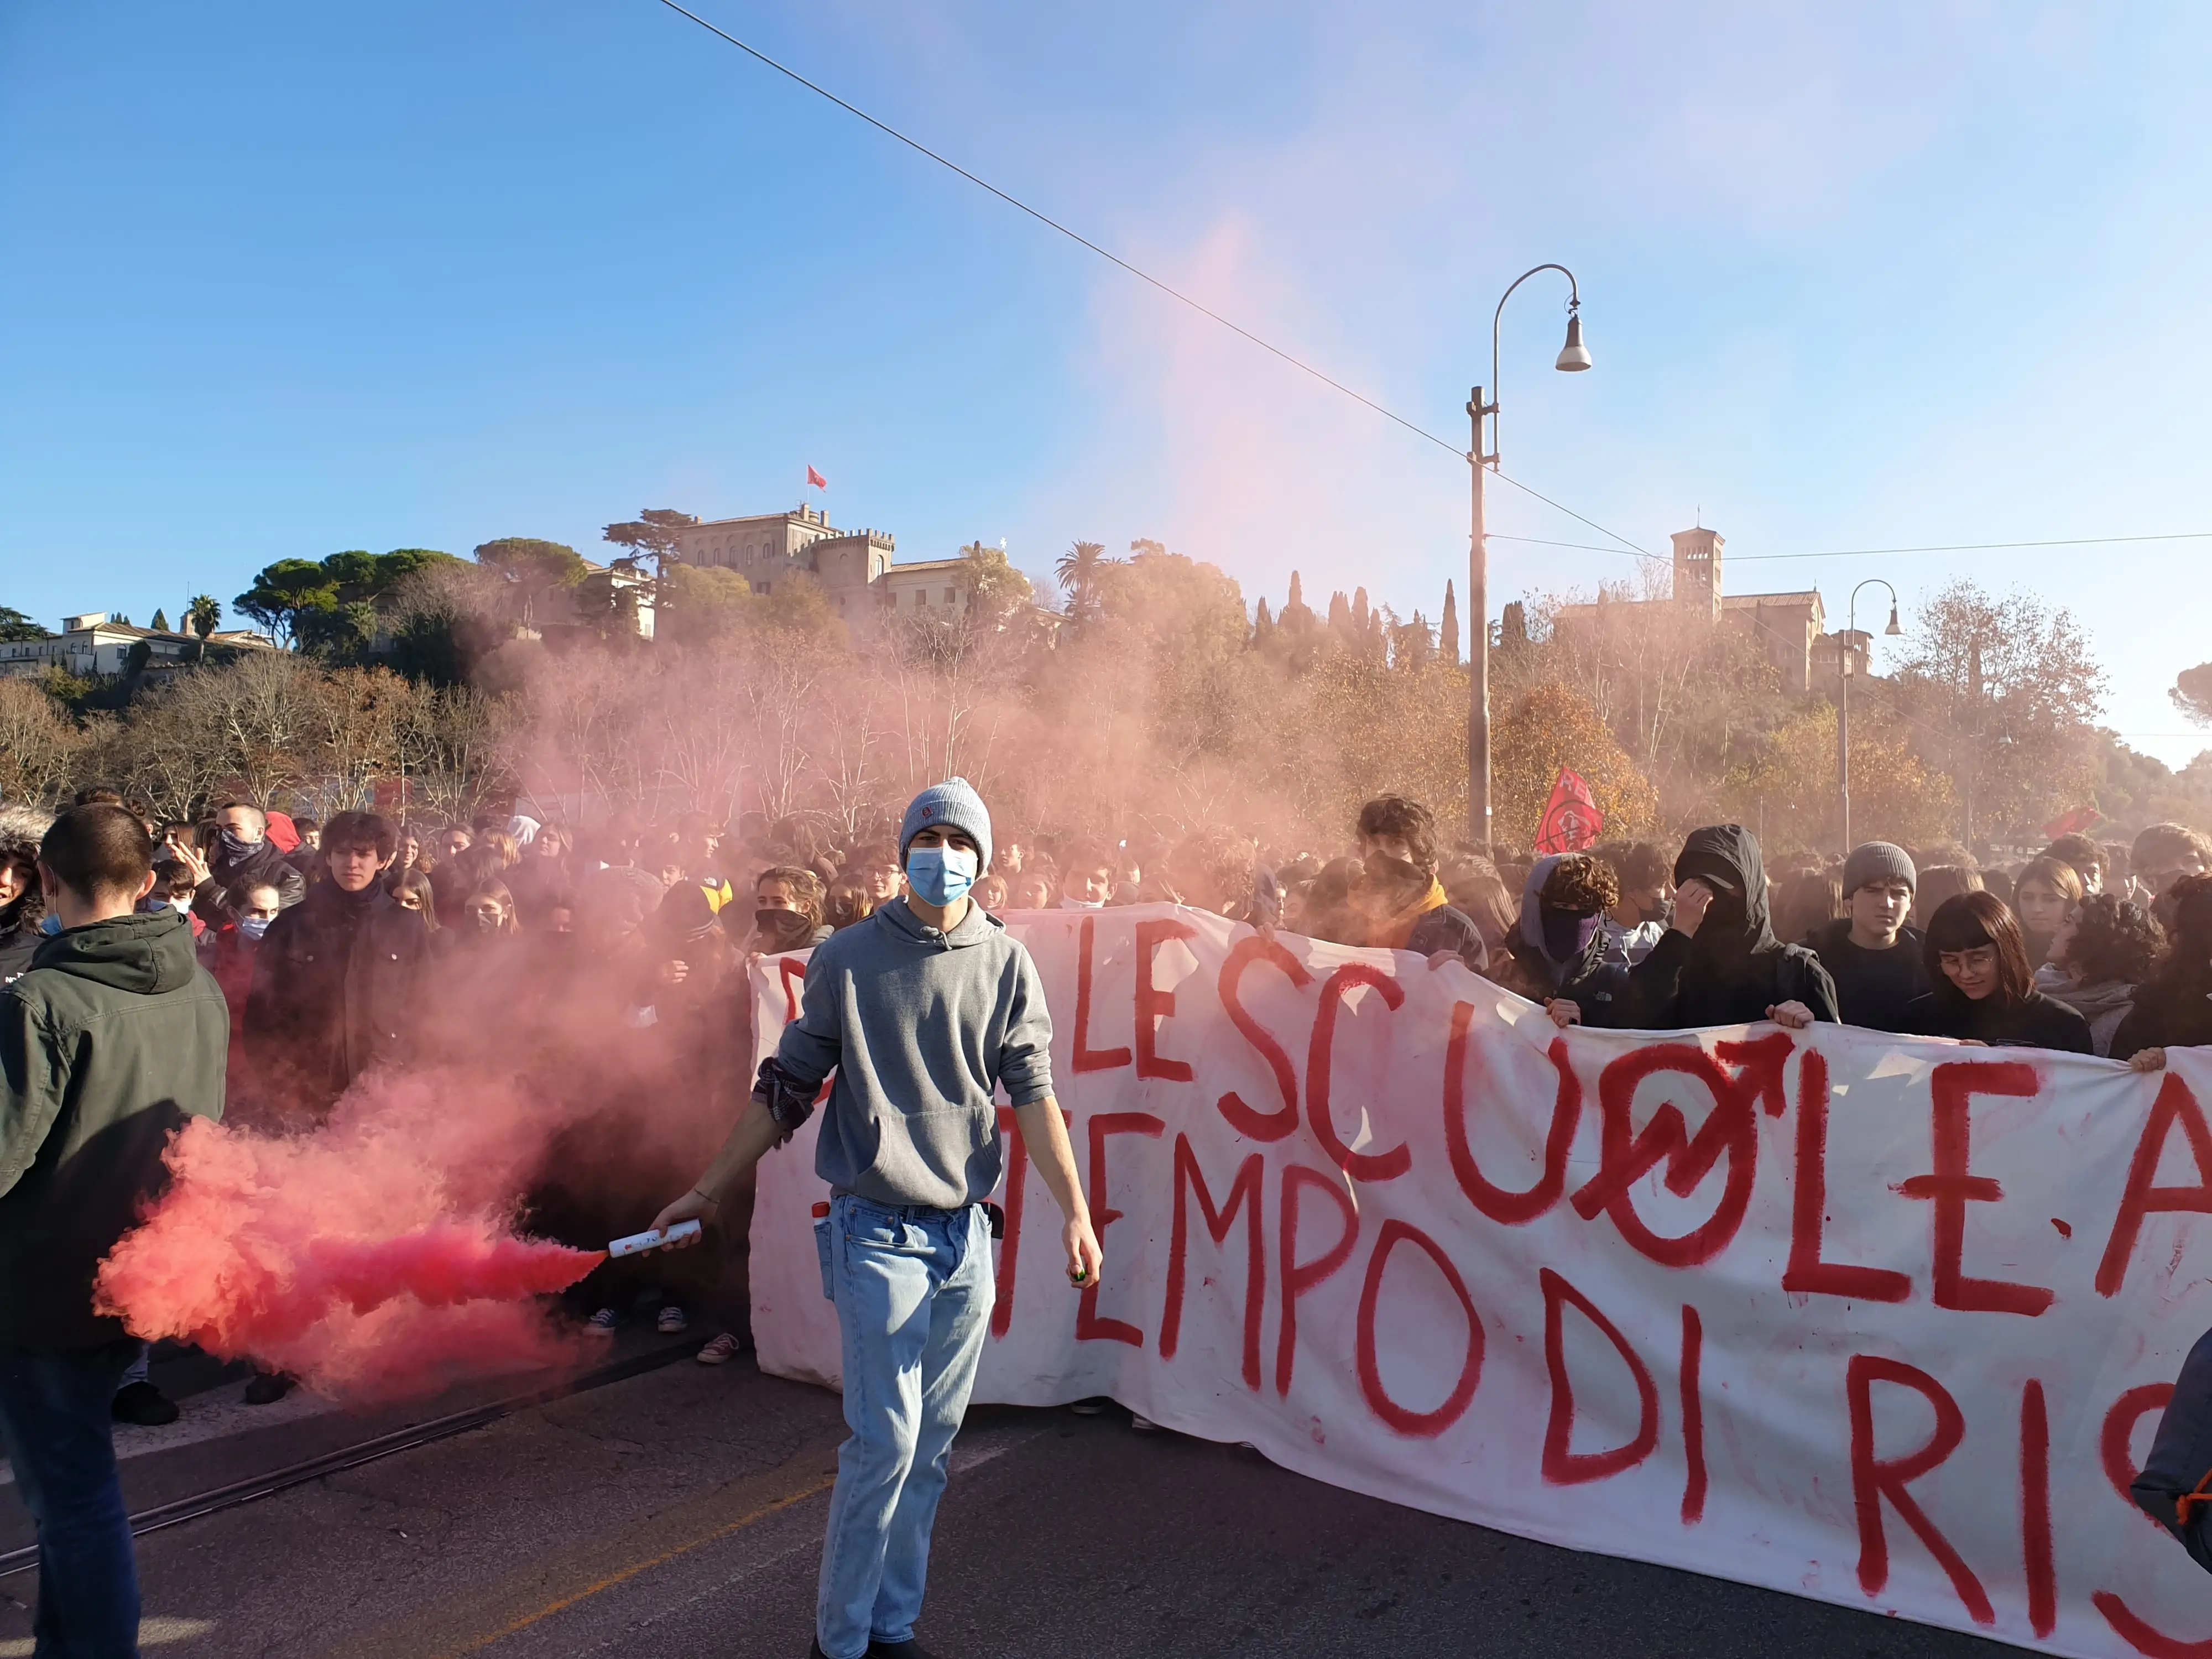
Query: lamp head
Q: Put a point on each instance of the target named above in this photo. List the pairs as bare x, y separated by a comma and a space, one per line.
1574, 357
1893, 628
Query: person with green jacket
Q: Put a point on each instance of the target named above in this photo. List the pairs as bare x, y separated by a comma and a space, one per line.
112, 1037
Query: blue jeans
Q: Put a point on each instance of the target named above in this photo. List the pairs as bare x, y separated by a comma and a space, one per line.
914, 1290
54, 1420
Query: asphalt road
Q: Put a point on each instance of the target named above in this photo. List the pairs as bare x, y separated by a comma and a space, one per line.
680, 1513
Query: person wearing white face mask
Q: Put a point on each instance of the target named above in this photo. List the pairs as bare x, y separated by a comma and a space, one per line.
922, 1012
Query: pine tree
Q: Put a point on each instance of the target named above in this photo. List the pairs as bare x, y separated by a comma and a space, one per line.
1339, 617
1359, 612
1263, 627
1448, 629
1297, 600
161, 620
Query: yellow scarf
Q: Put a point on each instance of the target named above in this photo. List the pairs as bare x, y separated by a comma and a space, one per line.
1395, 929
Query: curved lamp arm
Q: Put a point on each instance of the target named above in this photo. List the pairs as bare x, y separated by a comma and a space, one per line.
1574, 305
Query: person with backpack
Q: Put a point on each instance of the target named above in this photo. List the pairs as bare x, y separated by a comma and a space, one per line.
1719, 962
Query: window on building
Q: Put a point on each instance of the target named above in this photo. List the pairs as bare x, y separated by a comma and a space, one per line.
921, 596
953, 596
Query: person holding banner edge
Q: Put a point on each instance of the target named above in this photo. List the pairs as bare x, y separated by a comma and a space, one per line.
922, 1011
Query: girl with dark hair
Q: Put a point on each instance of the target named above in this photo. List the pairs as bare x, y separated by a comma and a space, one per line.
1984, 989
22, 901
2101, 953
2174, 1007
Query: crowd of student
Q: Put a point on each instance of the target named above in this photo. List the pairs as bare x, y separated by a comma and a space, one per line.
607, 969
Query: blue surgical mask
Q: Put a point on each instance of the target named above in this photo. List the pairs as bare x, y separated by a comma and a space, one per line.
254, 927
940, 874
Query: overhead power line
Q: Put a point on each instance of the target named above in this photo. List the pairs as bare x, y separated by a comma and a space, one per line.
1046, 219
1871, 552
1173, 293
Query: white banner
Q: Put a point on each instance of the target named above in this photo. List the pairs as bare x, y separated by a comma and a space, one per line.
1885, 1321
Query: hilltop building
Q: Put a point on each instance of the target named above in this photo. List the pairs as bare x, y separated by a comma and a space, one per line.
855, 568
94, 646
1789, 628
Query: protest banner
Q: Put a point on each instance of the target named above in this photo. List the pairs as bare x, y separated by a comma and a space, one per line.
1887, 1322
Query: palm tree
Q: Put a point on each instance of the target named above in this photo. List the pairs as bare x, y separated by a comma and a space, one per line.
202, 615
1079, 571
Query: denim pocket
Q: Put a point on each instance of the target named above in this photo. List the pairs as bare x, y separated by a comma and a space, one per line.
868, 1228
822, 1249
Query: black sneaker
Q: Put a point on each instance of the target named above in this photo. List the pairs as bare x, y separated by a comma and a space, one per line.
143, 1404
1094, 1407
267, 1388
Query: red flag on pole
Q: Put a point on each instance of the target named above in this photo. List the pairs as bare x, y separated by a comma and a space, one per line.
1571, 820
817, 479
2073, 823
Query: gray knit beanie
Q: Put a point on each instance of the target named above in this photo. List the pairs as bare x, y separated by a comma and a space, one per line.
952, 805
1878, 861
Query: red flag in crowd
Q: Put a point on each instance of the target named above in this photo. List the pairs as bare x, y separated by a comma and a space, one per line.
1571, 820
2073, 823
817, 479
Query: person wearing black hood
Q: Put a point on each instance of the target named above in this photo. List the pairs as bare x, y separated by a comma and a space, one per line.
1719, 962
113, 1038
22, 905
1560, 952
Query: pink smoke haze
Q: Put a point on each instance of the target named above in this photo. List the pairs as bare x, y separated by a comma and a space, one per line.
374, 1257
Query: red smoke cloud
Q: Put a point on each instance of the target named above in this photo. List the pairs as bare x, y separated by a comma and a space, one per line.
374, 1256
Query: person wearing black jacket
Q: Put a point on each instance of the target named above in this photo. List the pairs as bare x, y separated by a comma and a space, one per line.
22, 905
113, 1038
1984, 989
244, 858
1559, 949
1874, 959
2173, 1007
1720, 964
337, 976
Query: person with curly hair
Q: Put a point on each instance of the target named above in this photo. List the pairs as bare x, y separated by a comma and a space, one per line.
1560, 956
2102, 950
2174, 1007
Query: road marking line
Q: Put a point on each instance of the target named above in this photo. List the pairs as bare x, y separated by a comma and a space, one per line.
632, 1572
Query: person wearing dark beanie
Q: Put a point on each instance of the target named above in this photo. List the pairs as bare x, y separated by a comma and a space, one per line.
1874, 957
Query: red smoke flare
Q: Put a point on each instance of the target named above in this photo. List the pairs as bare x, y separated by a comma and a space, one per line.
374, 1256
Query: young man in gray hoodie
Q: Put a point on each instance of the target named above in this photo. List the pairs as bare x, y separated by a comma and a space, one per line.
922, 1011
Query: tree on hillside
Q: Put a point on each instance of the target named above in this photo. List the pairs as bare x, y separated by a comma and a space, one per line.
1551, 726
2192, 693
2003, 693
330, 607
204, 615
161, 624
652, 535
1788, 790
1448, 629
14, 625
532, 569
1078, 570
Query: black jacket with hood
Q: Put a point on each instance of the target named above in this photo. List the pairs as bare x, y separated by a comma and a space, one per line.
1734, 970
113, 1038
221, 897
1598, 988
336, 984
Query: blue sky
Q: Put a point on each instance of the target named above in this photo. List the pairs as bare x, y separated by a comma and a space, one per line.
285, 280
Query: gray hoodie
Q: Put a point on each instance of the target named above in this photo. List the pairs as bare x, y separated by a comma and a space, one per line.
921, 1027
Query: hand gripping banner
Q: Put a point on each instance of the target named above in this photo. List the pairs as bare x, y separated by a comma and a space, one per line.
1887, 1322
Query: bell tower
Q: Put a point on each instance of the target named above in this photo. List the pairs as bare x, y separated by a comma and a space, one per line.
1698, 571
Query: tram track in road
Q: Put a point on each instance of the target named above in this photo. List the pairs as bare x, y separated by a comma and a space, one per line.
217, 1499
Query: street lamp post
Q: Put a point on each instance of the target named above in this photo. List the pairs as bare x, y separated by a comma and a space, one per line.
1573, 357
1843, 698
